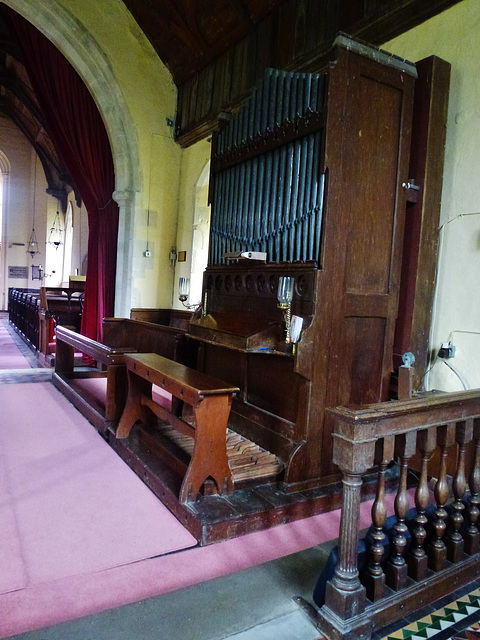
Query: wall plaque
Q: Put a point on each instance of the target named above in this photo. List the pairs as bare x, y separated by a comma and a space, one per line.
18, 272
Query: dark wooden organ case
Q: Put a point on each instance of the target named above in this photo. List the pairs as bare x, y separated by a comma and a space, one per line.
311, 171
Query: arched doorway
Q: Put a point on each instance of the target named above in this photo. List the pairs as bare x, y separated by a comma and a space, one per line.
201, 231
4, 184
86, 56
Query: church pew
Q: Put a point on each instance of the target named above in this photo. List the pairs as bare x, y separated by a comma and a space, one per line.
99, 392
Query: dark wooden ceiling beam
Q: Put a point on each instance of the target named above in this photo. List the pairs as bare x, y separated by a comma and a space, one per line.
296, 35
243, 12
188, 34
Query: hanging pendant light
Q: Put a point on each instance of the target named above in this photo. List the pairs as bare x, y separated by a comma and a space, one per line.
56, 232
32, 244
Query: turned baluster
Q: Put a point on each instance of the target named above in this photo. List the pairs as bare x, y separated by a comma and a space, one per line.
345, 595
374, 577
396, 570
463, 435
472, 536
437, 551
417, 558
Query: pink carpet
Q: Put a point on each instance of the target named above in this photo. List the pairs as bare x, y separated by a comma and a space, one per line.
69, 506
96, 390
82, 534
84, 594
10, 355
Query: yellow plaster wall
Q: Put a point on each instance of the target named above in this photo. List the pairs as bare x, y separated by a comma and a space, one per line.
454, 36
150, 98
24, 188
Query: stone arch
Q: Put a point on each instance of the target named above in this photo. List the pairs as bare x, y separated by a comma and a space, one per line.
5, 171
85, 55
201, 229
4, 163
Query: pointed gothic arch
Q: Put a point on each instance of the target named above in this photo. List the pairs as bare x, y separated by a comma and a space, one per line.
5, 171
85, 55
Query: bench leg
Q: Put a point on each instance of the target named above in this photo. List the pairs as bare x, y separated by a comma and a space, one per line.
117, 391
134, 409
209, 458
64, 358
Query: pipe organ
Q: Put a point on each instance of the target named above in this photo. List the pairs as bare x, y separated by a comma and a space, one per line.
268, 186
308, 177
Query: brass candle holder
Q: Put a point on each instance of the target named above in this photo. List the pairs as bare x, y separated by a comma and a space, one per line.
284, 297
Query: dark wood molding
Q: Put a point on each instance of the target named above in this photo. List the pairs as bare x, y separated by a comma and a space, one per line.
423, 215
297, 35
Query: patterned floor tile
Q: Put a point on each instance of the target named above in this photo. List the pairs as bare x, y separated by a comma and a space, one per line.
463, 611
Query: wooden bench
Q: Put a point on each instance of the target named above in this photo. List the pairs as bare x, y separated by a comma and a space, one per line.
74, 383
102, 402
200, 410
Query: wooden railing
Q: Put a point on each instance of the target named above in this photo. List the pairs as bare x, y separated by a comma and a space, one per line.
433, 551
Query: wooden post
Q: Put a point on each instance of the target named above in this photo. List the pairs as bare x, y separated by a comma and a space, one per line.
374, 577
417, 558
345, 596
472, 535
397, 571
437, 551
455, 544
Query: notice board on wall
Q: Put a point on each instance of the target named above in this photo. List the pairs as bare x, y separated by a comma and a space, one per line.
18, 272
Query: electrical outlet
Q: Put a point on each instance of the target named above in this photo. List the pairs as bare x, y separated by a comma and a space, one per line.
447, 350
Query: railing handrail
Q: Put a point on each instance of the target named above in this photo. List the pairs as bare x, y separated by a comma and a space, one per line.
372, 422
375, 435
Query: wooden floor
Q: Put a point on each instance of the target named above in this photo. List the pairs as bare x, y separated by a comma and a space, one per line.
212, 518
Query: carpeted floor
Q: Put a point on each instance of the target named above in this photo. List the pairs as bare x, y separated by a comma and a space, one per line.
82, 535
69, 504
12, 356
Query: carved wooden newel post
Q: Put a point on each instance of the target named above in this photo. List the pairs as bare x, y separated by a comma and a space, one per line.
345, 596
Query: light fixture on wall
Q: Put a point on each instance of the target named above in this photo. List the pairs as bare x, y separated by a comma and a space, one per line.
184, 292
32, 244
284, 297
56, 232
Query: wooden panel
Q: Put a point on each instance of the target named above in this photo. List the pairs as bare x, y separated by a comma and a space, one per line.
376, 143
204, 103
244, 62
252, 288
277, 393
225, 364
297, 35
146, 337
362, 361
170, 317
421, 233
355, 322
222, 80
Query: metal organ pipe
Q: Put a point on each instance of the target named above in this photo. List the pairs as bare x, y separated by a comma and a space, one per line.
266, 165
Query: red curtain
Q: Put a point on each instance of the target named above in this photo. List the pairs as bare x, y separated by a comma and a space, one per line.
78, 133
